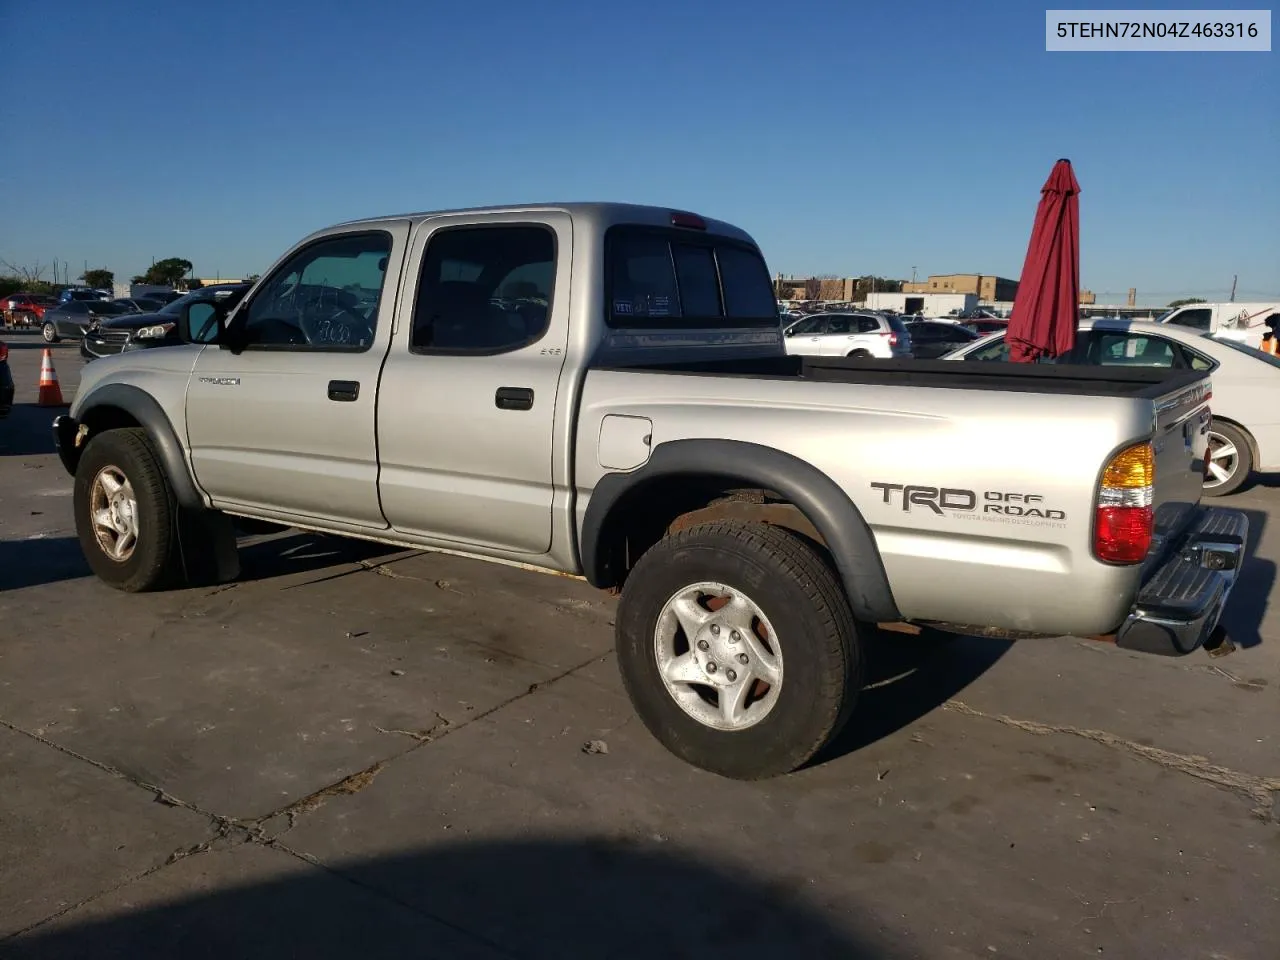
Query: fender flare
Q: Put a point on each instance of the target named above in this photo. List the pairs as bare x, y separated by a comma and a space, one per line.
151, 416
813, 493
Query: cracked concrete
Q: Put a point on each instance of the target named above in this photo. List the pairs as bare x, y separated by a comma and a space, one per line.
359, 751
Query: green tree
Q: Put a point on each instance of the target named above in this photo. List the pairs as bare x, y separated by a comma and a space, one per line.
165, 272
98, 278
871, 284
1182, 303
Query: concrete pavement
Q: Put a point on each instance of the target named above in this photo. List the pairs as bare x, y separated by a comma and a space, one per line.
356, 751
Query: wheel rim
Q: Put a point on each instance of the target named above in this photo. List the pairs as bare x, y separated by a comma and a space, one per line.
1224, 460
48, 332
113, 510
718, 656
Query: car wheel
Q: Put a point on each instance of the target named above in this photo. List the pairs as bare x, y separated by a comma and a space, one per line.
125, 513
860, 354
738, 648
50, 333
1230, 460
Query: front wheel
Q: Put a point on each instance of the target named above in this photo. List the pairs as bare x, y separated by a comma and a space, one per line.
1230, 460
738, 648
125, 514
859, 354
50, 333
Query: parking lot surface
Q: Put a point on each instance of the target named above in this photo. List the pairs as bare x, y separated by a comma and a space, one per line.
357, 751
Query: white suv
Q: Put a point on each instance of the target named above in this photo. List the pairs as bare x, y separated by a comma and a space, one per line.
860, 334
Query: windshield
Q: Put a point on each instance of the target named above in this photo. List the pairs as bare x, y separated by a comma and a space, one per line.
897, 326
230, 295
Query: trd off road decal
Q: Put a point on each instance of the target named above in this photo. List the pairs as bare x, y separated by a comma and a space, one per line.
997, 506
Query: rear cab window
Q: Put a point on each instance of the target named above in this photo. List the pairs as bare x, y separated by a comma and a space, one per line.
662, 278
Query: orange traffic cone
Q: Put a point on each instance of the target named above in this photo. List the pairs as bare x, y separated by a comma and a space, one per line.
50, 392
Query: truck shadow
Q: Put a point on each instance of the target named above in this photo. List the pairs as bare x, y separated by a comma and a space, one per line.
28, 431
908, 677
1251, 596
538, 899
44, 560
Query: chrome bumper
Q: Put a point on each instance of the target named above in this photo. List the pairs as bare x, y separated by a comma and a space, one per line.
1181, 602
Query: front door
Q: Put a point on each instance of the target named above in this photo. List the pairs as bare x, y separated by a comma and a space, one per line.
466, 428
287, 425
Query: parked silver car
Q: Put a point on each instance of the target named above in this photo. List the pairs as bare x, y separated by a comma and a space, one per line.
860, 334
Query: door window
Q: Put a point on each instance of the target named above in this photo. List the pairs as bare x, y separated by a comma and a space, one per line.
325, 297
484, 290
841, 325
868, 325
1201, 319
1131, 350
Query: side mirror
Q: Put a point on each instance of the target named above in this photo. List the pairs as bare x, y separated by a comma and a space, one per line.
202, 322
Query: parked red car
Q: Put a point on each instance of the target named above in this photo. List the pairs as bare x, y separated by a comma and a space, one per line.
25, 309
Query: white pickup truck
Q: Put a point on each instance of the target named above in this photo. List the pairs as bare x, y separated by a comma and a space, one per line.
1244, 322
602, 390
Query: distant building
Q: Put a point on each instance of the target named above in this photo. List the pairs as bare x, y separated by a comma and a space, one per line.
841, 289
985, 287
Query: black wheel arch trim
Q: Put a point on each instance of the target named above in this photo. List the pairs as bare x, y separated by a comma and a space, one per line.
816, 495
151, 416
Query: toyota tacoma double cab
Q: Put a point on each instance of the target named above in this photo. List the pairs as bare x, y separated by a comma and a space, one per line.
603, 390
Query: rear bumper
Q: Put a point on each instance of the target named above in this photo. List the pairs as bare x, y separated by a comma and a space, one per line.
1182, 600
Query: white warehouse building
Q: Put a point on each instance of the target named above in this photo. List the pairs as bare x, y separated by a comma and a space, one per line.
926, 304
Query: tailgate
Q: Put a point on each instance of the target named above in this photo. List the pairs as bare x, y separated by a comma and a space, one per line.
1181, 443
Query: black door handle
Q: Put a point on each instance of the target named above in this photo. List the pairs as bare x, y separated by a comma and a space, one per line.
344, 390
513, 398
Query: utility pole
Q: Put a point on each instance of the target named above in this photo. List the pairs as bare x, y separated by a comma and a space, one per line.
1234, 278
913, 274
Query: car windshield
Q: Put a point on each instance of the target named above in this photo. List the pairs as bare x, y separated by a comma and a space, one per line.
174, 307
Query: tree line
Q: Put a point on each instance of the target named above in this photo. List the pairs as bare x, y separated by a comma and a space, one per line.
22, 279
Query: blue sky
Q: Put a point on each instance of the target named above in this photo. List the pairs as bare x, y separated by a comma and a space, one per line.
847, 138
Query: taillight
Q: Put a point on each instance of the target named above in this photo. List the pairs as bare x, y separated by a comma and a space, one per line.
1124, 519
4, 352
893, 338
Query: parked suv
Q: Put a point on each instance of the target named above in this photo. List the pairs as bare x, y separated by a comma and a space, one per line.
860, 334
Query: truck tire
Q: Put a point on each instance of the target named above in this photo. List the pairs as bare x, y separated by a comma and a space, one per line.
759, 682
1231, 459
125, 512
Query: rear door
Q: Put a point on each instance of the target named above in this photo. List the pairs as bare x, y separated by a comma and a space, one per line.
468, 395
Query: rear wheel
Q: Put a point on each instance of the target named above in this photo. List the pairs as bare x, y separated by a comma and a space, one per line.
860, 354
125, 513
738, 649
1230, 460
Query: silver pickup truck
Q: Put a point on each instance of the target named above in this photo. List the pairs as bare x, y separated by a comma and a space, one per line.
602, 390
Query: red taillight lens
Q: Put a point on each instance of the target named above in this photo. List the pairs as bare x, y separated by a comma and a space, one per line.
1123, 534
893, 339
4, 352
1124, 520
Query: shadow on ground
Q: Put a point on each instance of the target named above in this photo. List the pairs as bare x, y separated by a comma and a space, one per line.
1252, 592
908, 677
30, 563
28, 431
551, 899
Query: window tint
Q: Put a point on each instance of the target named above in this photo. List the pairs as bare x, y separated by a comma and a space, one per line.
841, 324
808, 325
484, 289
1195, 360
1196, 319
748, 291
869, 325
663, 279
696, 276
995, 351
324, 297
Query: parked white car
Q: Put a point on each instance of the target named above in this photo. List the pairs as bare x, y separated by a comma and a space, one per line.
1245, 435
860, 334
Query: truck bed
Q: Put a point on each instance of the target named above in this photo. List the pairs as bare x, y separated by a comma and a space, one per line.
1044, 378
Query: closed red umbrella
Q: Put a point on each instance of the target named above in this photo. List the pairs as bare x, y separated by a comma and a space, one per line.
1047, 307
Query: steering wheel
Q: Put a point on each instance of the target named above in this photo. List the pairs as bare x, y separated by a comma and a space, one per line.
317, 317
